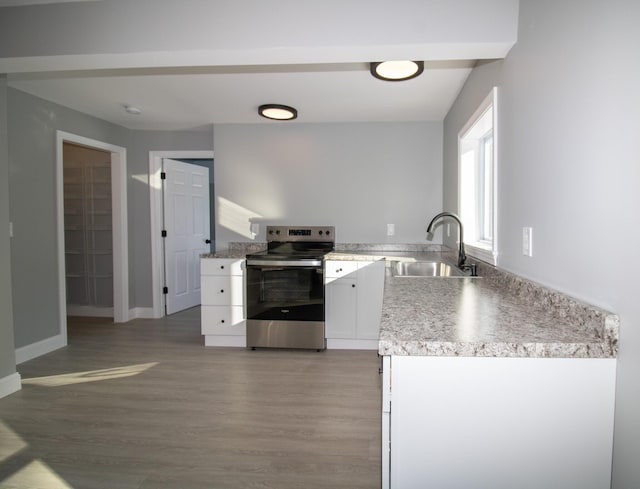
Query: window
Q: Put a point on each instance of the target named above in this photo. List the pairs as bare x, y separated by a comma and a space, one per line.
477, 180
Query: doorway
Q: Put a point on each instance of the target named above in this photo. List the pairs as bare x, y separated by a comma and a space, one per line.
118, 157
88, 231
186, 236
157, 219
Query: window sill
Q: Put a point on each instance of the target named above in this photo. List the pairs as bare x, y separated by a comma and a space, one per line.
483, 253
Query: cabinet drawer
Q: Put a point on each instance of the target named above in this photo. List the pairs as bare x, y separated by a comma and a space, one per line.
221, 320
222, 291
337, 269
221, 266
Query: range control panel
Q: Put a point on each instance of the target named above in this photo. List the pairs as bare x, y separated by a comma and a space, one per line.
301, 233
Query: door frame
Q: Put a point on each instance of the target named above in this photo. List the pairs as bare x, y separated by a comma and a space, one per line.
119, 225
156, 217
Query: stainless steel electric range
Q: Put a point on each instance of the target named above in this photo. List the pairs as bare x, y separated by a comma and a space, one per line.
285, 288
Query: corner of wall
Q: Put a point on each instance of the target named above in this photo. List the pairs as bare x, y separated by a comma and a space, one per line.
7, 354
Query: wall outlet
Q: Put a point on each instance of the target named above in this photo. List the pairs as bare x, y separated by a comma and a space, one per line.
527, 244
391, 229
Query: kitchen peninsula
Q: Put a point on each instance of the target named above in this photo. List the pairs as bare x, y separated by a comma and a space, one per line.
495, 382
492, 381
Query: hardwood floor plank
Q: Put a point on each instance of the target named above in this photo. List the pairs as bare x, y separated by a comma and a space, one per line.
144, 405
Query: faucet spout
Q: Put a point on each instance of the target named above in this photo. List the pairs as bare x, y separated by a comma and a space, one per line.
462, 256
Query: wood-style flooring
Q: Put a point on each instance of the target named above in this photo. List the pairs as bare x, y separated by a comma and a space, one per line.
144, 405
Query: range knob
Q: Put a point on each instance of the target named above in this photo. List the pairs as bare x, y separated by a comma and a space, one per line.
327, 232
277, 231
320, 232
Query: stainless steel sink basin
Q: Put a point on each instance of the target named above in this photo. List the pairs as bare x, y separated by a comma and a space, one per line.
425, 269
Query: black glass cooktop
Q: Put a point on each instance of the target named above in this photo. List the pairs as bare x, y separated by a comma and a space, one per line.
292, 251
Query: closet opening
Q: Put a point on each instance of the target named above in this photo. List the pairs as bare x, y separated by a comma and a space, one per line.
88, 231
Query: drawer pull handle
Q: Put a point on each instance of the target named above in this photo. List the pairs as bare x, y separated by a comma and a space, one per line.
221, 267
222, 321
222, 291
353, 285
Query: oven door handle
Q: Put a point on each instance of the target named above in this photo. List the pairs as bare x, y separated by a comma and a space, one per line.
284, 263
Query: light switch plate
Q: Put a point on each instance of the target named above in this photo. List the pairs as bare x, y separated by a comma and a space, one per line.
527, 244
391, 229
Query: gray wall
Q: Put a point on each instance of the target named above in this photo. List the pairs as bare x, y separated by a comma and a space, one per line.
32, 125
32, 162
7, 355
569, 167
358, 177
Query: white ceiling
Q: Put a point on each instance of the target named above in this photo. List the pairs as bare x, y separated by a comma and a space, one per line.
188, 98
191, 64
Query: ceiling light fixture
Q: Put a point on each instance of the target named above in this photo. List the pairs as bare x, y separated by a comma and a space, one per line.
397, 70
130, 109
278, 112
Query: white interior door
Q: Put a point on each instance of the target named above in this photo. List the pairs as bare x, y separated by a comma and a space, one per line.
186, 222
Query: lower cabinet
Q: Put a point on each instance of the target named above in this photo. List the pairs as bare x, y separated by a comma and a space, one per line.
353, 303
222, 297
497, 423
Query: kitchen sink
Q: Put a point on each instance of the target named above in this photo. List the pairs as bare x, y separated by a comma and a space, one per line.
425, 269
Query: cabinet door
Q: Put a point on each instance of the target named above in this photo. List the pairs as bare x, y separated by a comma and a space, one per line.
340, 308
369, 299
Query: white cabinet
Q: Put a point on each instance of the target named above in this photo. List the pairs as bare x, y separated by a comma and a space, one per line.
497, 422
353, 303
222, 310
340, 308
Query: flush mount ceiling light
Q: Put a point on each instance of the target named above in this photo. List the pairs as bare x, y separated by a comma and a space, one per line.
130, 109
397, 70
278, 112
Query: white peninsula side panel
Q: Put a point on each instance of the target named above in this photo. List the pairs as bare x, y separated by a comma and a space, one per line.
499, 423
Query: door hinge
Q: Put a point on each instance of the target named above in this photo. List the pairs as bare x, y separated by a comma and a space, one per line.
163, 175
165, 290
164, 233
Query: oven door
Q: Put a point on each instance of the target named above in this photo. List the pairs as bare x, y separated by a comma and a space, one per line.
285, 305
285, 292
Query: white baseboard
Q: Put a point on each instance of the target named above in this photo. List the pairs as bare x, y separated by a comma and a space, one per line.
142, 313
89, 311
39, 348
347, 344
10, 384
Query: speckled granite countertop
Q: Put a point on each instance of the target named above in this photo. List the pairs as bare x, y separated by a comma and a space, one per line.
495, 315
224, 254
237, 250
490, 317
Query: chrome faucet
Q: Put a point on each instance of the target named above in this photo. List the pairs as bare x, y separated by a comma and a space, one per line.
462, 257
